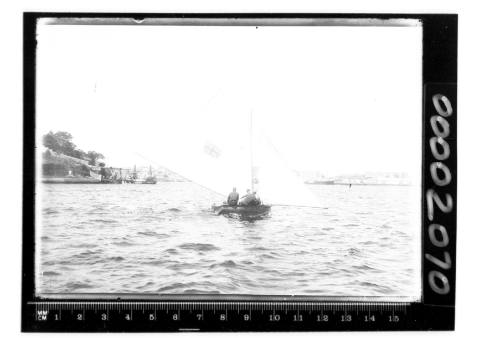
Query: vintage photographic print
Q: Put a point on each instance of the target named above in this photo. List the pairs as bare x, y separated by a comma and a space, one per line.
234, 160
224, 158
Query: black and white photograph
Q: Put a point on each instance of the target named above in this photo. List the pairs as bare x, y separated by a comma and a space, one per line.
188, 172
254, 168
211, 158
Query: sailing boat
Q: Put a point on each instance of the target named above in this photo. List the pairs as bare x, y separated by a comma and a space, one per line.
134, 177
234, 154
150, 179
260, 209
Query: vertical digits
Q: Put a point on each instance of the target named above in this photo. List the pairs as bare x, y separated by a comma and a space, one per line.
435, 276
433, 142
435, 166
444, 235
437, 99
432, 197
445, 265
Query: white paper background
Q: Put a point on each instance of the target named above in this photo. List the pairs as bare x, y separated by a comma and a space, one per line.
477, 277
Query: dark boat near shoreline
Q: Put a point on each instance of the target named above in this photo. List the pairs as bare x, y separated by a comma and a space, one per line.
134, 178
111, 181
150, 179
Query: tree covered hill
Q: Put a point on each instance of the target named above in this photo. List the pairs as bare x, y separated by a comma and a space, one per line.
61, 142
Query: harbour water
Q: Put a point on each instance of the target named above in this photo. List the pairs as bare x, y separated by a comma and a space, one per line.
163, 239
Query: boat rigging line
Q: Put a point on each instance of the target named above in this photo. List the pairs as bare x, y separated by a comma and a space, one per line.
299, 206
183, 177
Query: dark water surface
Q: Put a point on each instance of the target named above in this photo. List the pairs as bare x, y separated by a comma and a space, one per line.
163, 239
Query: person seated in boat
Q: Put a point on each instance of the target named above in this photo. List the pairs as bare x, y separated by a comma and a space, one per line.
257, 200
246, 198
250, 199
233, 198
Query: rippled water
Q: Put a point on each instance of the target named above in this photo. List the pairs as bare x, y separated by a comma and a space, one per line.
163, 239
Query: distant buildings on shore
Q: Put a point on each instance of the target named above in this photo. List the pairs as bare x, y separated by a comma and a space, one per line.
60, 168
369, 178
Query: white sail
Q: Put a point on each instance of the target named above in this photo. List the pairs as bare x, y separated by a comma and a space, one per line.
220, 167
241, 157
214, 157
225, 147
276, 182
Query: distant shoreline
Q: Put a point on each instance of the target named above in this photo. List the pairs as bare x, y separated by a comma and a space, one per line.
82, 180
357, 183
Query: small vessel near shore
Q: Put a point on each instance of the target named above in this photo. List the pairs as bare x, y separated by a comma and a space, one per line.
134, 178
150, 179
111, 181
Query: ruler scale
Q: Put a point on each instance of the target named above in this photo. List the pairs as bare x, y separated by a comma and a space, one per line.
208, 316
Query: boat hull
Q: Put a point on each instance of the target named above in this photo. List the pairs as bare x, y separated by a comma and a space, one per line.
248, 211
149, 180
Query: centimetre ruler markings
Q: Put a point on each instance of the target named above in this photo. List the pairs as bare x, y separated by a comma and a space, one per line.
162, 305
194, 315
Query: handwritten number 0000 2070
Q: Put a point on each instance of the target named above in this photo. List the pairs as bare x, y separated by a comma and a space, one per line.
441, 177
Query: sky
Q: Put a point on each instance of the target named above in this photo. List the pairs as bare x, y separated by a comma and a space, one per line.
333, 99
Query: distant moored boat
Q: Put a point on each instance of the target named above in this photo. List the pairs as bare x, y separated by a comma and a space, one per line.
150, 179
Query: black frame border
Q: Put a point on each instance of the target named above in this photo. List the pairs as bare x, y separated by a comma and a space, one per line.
439, 77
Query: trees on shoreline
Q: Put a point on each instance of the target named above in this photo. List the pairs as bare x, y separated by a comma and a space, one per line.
62, 142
